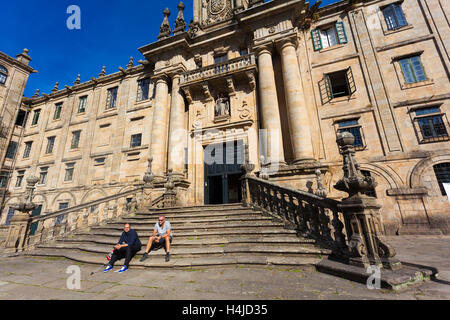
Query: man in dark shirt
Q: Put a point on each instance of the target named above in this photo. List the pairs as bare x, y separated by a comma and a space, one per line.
127, 247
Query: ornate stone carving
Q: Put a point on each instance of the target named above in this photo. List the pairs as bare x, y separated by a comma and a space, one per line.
217, 11
56, 87
103, 72
180, 24
130, 63
244, 111
78, 80
321, 191
222, 108
165, 26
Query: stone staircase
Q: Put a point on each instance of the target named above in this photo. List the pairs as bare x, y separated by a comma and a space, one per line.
204, 236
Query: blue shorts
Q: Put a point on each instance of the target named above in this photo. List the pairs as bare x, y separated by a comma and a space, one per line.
161, 243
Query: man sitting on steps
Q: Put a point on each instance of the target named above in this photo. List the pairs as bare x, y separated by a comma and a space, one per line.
162, 237
128, 245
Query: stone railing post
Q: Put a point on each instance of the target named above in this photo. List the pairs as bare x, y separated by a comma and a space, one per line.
170, 193
148, 186
20, 223
367, 245
246, 196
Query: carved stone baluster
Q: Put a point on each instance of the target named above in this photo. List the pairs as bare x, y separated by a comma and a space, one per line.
340, 246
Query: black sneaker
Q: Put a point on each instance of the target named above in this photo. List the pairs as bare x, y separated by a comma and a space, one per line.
167, 257
145, 256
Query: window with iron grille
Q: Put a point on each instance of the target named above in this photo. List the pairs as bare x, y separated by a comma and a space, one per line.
136, 140
26, 153
19, 180
43, 175
3, 74
36, 117
330, 36
442, 172
75, 139
50, 145
220, 58
412, 69
394, 16
143, 89
11, 151
82, 104
58, 109
69, 172
111, 98
355, 129
337, 84
430, 124
3, 179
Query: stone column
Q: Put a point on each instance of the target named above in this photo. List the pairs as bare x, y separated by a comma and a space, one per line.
159, 128
299, 122
177, 135
270, 113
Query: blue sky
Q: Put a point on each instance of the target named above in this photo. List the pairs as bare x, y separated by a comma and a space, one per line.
111, 32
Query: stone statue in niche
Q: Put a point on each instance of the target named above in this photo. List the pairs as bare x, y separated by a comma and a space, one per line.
222, 108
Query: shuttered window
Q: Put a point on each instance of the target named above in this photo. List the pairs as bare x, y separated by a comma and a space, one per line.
412, 69
337, 84
394, 16
329, 36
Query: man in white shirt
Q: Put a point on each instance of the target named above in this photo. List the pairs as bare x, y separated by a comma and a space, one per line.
162, 237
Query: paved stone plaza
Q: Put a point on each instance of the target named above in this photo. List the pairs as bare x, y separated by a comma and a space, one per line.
45, 278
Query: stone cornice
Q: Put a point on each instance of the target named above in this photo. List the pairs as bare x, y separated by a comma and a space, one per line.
17, 63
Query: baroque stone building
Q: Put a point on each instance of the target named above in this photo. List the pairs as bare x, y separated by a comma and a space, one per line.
271, 83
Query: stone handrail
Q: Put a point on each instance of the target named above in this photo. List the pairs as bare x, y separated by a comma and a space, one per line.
310, 215
65, 222
217, 69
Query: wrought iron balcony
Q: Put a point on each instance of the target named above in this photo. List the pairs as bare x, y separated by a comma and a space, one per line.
219, 69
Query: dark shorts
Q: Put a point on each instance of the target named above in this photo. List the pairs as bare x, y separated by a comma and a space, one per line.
160, 244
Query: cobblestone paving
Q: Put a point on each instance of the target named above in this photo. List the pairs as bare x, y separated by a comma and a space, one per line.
46, 278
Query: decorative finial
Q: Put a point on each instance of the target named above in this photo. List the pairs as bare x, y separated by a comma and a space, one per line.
36, 94
103, 72
165, 26
353, 182
56, 87
78, 80
180, 24
130, 63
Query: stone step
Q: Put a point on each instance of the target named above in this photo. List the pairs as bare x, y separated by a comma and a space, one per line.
275, 250
217, 207
194, 220
193, 242
197, 214
266, 231
158, 261
200, 227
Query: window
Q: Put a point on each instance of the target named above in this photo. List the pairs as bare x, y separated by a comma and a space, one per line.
394, 16
19, 180
337, 84
220, 58
412, 69
136, 140
9, 216
82, 104
75, 140
326, 37
354, 128
3, 74
442, 172
143, 89
21, 118
62, 206
3, 179
26, 153
243, 52
99, 161
36, 117
431, 124
50, 145
43, 175
69, 172
11, 151
58, 109
371, 192
111, 99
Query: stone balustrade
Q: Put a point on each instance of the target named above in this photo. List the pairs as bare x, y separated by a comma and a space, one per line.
219, 69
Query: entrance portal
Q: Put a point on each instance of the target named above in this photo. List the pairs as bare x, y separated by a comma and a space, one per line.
223, 171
